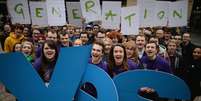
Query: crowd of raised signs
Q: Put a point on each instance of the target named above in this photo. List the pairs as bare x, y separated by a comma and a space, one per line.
159, 48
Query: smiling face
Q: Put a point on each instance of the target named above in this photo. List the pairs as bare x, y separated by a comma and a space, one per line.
51, 36
171, 47
18, 32
129, 51
118, 54
18, 47
64, 39
49, 53
140, 42
178, 39
186, 38
84, 37
159, 33
151, 50
7, 28
27, 48
108, 45
197, 53
96, 53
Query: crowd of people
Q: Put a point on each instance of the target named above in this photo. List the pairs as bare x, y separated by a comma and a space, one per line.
159, 48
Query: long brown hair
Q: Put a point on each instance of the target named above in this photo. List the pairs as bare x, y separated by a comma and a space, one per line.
45, 63
111, 62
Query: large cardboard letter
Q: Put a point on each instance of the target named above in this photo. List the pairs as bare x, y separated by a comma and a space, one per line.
105, 88
166, 85
24, 82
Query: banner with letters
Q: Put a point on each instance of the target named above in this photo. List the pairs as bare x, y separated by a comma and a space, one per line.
19, 11
151, 13
74, 13
129, 20
38, 13
111, 13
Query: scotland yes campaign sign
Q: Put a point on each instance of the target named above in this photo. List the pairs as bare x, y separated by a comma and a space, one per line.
72, 71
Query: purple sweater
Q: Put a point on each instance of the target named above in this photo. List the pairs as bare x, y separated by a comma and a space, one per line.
131, 66
102, 64
157, 64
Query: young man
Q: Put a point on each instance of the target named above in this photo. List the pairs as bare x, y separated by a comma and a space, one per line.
14, 37
153, 61
108, 45
52, 36
187, 48
140, 43
176, 59
84, 37
64, 39
160, 35
100, 35
96, 59
97, 53
4, 34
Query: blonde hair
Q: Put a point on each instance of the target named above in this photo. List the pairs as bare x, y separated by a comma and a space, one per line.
134, 56
32, 46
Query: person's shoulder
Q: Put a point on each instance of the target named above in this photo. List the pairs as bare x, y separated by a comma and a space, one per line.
90, 60
161, 60
144, 58
132, 65
37, 63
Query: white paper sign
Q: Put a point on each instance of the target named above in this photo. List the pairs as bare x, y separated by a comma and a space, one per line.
91, 10
130, 20
19, 11
178, 12
74, 13
146, 12
111, 12
160, 13
38, 13
56, 12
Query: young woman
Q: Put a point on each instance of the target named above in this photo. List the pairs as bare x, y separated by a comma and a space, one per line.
132, 52
194, 73
28, 50
45, 64
118, 62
